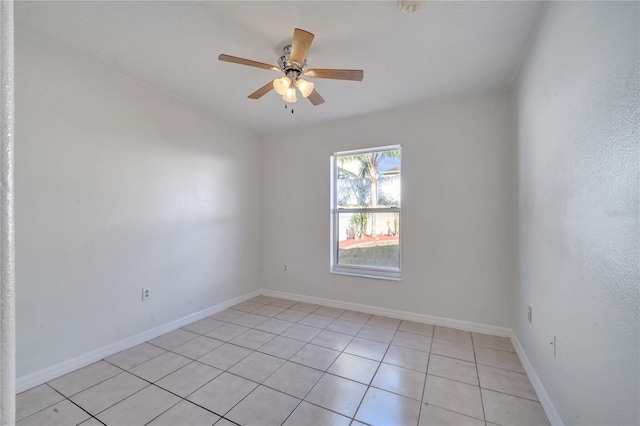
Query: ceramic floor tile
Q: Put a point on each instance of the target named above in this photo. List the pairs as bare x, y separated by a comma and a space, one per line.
103, 395
274, 325
222, 393
407, 358
291, 315
91, 422
189, 378
453, 334
367, 348
282, 347
454, 369
225, 422
197, 347
185, 413
435, 416
511, 410
301, 332
81, 379
283, 303
263, 407
305, 307
328, 311
35, 399
452, 349
268, 311
134, 356
227, 332
263, 300
506, 381
227, 315
455, 396
140, 408
225, 356
400, 380
172, 339
249, 320
345, 326
384, 408
360, 317
386, 322
380, 334
315, 357
293, 379
257, 366
332, 340
316, 321
493, 342
416, 328
355, 368
499, 359
253, 339
203, 326
311, 415
412, 341
62, 413
337, 394
247, 306
160, 366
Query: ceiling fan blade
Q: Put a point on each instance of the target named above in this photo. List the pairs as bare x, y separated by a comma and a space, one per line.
300, 46
242, 61
354, 75
261, 91
315, 98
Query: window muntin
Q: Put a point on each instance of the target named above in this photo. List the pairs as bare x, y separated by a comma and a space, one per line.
366, 212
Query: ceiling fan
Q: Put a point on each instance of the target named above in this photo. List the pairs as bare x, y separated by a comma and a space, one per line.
293, 65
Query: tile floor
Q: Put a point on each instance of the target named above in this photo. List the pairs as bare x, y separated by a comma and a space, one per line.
272, 361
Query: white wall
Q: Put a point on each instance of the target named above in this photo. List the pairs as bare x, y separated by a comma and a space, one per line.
577, 131
456, 220
120, 187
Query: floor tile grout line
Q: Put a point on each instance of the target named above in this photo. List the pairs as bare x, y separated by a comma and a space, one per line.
424, 385
484, 413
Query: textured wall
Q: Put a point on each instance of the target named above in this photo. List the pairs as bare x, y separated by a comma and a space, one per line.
121, 187
456, 209
578, 118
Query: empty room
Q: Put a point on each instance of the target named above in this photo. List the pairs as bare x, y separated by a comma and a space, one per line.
320, 213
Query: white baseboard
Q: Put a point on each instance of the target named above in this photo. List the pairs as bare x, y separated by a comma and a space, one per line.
44, 375
543, 396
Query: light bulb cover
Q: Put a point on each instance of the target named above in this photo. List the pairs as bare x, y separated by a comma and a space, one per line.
290, 95
305, 87
281, 85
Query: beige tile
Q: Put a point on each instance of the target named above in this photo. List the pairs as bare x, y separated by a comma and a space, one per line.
311, 415
360, 317
203, 326
35, 399
416, 328
332, 340
263, 407
136, 355
249, 320
379, 334
355, 368
493, 342
81, 379
506, 381
257, 366
454, 369
367, 348
499, 359
384, 408
185, 413
227, 332
400, 380
345, 326
247, 306
282, 347
173, 339
225, 422
435, 416
197, 347
452, 349
227, 315
315, 357
328, 311
91, 422
253, 339
263, 300
386, 322
293, 379
305, 307
62, 413
453, 334
455, 396
160, 366
103, 395
301, 332
407, 358
274, 325
511, 410
283, 303
337, 394
222, 393
225, 356
269, 311
189, 378
412, 341
316, 320
140, 408
291, 315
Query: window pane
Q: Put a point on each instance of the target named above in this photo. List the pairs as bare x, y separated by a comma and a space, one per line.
369, 179
369, 239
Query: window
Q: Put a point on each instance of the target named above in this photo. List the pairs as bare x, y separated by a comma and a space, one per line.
365, 212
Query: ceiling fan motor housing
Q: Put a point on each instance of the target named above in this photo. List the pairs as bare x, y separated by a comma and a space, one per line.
291, 70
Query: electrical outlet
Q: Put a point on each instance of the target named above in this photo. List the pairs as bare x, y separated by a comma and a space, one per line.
146, 294
285, 267
529, 315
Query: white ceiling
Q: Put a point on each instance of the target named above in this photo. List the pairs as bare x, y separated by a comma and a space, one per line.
445, 49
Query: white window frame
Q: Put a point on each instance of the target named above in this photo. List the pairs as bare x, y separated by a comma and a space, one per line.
355, 270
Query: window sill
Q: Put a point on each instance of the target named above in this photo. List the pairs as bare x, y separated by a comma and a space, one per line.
388, 276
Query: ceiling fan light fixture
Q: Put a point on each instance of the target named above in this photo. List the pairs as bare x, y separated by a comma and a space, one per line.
290, 95
305, 87
409, 6
281, 85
